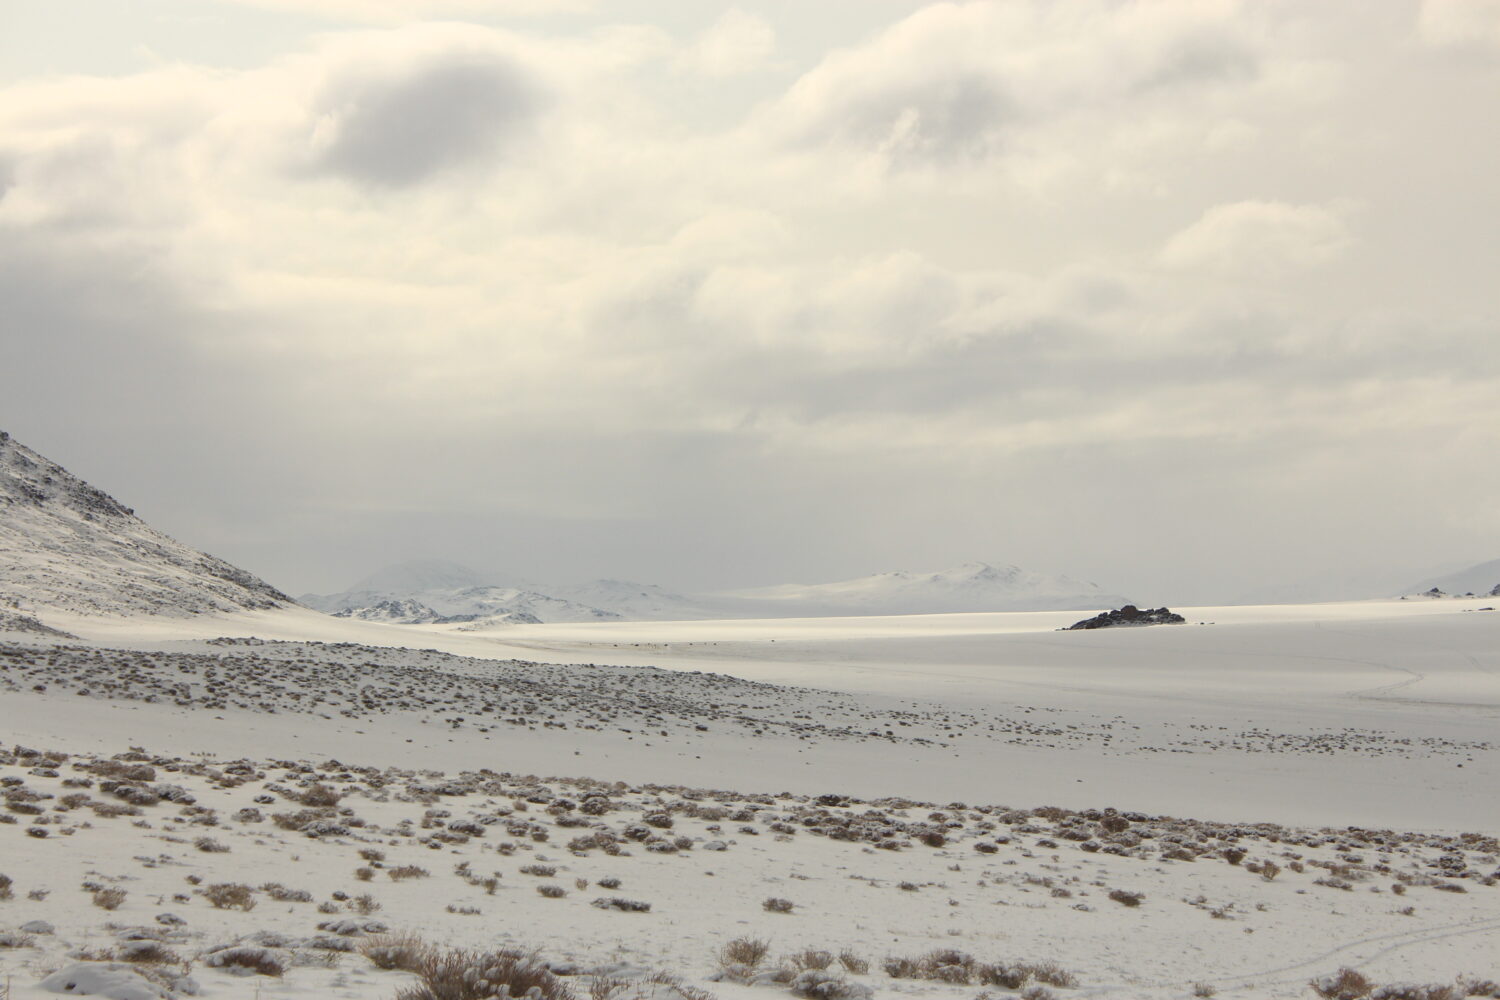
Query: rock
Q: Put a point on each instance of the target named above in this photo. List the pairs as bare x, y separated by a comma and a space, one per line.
1129, 615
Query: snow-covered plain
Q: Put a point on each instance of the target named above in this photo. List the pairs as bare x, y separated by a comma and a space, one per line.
1353, 746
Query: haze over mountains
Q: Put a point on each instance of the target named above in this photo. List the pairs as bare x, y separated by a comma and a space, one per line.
65, 545
432, 591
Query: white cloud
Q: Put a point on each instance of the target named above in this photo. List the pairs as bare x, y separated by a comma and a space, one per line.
735, 44
1258, 238
399, 11
1460, 22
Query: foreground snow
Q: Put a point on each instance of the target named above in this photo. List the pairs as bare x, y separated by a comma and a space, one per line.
1301, 736
328, 854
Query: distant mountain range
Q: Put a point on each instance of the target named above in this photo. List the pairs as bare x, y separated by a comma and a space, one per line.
67, 546
448, 593
1481, 580
974, 586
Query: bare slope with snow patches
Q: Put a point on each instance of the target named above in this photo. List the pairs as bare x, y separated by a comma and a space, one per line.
1483, 579
66, 546
973, 586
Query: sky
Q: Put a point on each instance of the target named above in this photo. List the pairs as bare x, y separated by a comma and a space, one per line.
1196, 300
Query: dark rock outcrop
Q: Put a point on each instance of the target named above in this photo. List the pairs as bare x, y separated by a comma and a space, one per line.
1129, 615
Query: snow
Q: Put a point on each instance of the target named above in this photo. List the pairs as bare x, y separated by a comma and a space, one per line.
66, 545
1483, 579
979, 781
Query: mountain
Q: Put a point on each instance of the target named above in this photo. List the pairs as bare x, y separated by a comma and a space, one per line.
67, 546
399, 594
973, 586
436, 592
1483, 579
638, 601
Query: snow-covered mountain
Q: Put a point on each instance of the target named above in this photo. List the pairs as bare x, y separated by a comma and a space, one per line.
975, 586
434, 591
399, 595
67, 546
639, 601
1483, 579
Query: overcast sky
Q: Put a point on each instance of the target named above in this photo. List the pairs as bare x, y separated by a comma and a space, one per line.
1191, 298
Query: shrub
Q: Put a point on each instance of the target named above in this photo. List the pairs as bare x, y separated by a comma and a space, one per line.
853, 963
620, 903
540, 871
364, 905
1126, 898
609, 882
209, 845
109, 899
230, 896
405, 952
259, 960
1204, 990
467, 975
551, 891
778, 905
749, 952
282, 894
149, 953
6, 892
810, 958
819, 984
406, 872
1345, 984
319, 796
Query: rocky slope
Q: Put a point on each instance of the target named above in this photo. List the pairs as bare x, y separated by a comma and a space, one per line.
67, 546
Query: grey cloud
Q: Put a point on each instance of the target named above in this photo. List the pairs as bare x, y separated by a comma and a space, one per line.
399, 131
1201, 58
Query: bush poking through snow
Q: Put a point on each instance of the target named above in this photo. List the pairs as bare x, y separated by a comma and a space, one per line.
1345, 984
946, 965
746, 952
853, 963
820, 984
407, 871
810, 958
621, 903
471, 975
404, 951
230, 896
261, 961
778, 905
109, 899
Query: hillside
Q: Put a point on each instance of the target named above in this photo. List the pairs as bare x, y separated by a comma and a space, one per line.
1481, 579
67, 546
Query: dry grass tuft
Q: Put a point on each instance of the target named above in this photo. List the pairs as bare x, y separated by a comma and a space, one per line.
472, 975
404, 951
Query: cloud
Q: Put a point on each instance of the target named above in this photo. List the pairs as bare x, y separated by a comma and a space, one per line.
398, 11
403, 126
1259, 238
1460, 22
737, 43
957, 83
990, 273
